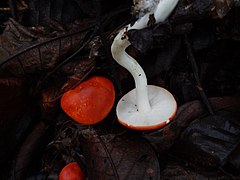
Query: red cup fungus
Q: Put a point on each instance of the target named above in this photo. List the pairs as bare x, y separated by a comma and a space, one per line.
72, 171
91, 101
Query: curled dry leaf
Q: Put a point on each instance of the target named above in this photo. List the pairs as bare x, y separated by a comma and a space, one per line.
119, 157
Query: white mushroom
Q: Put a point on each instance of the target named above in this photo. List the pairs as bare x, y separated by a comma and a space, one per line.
146, 107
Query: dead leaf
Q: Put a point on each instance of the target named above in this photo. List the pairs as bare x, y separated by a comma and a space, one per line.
119, 157
209, 141
23, 53
166, 137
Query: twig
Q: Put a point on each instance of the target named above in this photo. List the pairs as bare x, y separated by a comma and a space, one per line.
195, 74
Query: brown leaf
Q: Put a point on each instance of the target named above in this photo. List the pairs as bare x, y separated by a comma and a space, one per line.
119, 157
23, 53
210, 140
164, 138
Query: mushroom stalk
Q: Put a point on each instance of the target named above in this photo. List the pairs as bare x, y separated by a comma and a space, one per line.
162, 11
119, 54
120, 43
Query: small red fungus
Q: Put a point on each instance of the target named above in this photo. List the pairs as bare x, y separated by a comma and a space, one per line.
91, 101
72, 171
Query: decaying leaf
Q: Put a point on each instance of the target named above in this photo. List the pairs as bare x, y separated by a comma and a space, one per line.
22, 52
164, 138
209, 141
119, 157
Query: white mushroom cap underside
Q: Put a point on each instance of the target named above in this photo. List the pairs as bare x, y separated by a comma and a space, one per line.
163, 108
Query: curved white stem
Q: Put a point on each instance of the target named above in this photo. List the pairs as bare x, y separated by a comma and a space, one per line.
119, 54
162, 11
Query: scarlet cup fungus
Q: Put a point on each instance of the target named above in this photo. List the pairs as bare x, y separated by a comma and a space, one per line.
72, 171
90, 102
146, 107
